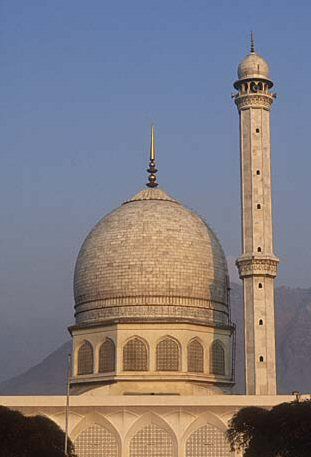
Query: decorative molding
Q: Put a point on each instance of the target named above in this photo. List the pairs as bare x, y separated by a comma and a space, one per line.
153, 312
100, 300
245, 101
257, 267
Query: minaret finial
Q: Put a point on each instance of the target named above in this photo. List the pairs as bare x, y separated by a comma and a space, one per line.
252, 42
152, 164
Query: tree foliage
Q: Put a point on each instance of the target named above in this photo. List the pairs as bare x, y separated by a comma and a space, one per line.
283, 431
34, 436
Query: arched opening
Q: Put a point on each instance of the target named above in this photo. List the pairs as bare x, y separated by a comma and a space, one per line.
207, 441
217, 358
168, 355
85, 359
107, 356
96, 441
152, 441
135, 355
195, 357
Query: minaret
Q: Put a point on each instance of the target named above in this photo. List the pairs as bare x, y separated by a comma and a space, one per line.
257, 264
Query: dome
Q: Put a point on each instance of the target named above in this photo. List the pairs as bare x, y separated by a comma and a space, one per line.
253, 66
151, 260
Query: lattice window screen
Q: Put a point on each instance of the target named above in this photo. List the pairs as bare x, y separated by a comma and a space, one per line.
195, 357
85, 359
217, 358
207, 441
107, 356
96, 441
135, 356
152, 441
168, 355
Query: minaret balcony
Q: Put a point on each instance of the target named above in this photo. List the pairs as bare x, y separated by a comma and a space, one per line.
254, 100
255, 265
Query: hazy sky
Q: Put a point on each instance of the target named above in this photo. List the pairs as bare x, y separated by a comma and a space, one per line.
81, 81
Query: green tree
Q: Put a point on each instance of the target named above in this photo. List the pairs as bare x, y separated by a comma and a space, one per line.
34, 436
283, 431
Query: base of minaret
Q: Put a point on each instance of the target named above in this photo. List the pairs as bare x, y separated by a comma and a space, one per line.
258, 275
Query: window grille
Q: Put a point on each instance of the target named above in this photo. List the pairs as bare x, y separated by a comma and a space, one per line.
167, 355
152, 441
195, 357
107, 356
135, 356
207, 441
217, 358
85, 359
96, 441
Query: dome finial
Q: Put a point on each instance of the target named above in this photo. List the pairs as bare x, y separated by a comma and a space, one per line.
152, 164
252, 42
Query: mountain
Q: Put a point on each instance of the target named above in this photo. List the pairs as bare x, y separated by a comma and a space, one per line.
293, 329
46, 378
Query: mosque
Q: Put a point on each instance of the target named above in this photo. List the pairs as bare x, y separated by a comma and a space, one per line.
153, 341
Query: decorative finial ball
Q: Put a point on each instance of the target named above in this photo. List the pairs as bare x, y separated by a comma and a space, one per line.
254, 66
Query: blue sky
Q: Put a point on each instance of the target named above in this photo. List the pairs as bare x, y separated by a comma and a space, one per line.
80, 84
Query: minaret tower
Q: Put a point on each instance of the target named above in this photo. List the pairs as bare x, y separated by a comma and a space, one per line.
257, 265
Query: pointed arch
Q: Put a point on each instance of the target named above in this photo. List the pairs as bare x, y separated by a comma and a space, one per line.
168, 354
135, 355
195, 356
95, 436
107, 356
151, 436
217, 358
205, 437
85, 358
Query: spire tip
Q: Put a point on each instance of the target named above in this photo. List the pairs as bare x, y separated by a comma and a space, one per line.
152, 178
252, 42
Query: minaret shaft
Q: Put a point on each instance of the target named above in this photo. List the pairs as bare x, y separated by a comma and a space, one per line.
257, 264
256, 188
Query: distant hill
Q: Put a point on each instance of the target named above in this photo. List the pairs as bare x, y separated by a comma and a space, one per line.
293, 309
46, 378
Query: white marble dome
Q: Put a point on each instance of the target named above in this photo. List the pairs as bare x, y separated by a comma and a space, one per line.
151, 259
254, 66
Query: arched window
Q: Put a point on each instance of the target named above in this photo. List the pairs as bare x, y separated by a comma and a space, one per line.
135, 355
195, 357
152, 441
168, 355
85, 358
107, 356
217, 358
207, 441
96, 441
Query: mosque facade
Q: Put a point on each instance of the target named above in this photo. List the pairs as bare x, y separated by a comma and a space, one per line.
153, 341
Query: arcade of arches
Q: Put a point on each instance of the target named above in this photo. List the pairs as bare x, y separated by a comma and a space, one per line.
153, 439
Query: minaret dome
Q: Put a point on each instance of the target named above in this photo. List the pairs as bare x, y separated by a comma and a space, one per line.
254, 66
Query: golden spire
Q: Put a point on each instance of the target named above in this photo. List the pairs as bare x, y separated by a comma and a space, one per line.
152, 165
252, 42
152, 145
